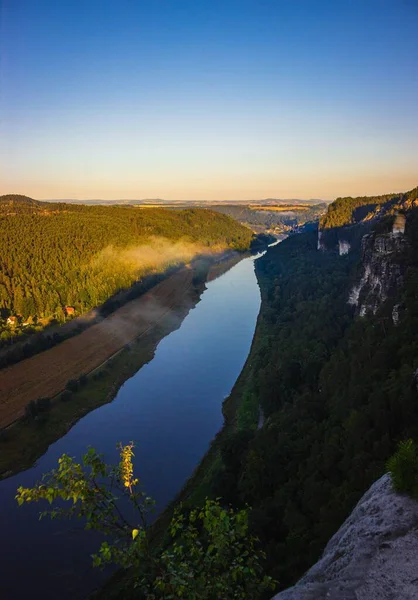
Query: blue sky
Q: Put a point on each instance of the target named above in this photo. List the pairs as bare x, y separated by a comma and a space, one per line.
208, 99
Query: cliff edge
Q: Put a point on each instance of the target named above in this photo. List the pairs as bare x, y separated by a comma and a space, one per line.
383, 271
373, 556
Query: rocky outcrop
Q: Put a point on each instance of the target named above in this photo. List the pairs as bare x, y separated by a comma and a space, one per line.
320, 244
399, 223
343, 239
343, 247
347, 217
373, 556
382, 271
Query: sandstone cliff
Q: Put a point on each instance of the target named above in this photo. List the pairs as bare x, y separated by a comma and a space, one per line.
348, 219
373, 556
382, 271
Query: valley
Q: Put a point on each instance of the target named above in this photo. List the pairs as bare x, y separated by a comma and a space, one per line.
300, 467
208, 300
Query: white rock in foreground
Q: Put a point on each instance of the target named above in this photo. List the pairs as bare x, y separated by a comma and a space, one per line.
373, 556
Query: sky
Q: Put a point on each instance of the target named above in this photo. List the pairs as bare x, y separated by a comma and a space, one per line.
208, 100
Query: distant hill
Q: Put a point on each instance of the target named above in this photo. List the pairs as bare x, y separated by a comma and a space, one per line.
19, 202
269, 218
246, 212
19, 198
349, 211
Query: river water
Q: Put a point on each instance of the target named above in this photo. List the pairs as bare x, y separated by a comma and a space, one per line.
171, 408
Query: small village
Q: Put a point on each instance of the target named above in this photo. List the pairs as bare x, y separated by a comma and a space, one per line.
13, 326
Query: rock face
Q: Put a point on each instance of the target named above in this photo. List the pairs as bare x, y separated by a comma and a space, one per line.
399, 224
373, 556
382, 271
320, 245
343, 247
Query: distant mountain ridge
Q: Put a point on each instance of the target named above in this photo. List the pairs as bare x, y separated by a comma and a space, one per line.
262, 201
18, 200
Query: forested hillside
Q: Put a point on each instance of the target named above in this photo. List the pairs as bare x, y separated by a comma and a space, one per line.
54, 255
347, 211
337, 393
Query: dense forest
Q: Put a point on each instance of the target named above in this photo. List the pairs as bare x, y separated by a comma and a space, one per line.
56, 255
337, 392
348, 211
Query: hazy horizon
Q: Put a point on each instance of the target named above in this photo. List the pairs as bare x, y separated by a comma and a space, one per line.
182, 200
208, 101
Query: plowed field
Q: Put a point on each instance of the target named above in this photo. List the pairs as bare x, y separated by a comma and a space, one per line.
46, 374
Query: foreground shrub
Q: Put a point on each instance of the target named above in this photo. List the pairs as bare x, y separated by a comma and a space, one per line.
403, 466
209, 556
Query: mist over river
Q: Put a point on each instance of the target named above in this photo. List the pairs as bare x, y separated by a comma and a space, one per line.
171, 408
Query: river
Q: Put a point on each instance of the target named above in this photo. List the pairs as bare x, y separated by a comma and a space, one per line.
171, 408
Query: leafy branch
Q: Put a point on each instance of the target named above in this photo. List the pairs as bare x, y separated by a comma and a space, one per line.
210, 554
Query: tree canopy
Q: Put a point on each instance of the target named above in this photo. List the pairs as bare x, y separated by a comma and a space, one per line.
54, 255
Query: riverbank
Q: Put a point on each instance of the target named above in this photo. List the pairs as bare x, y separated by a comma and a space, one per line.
25, 441
29, 344
47, 374
124, 342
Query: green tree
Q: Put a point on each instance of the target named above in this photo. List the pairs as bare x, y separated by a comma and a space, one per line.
403, 467
209, 553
